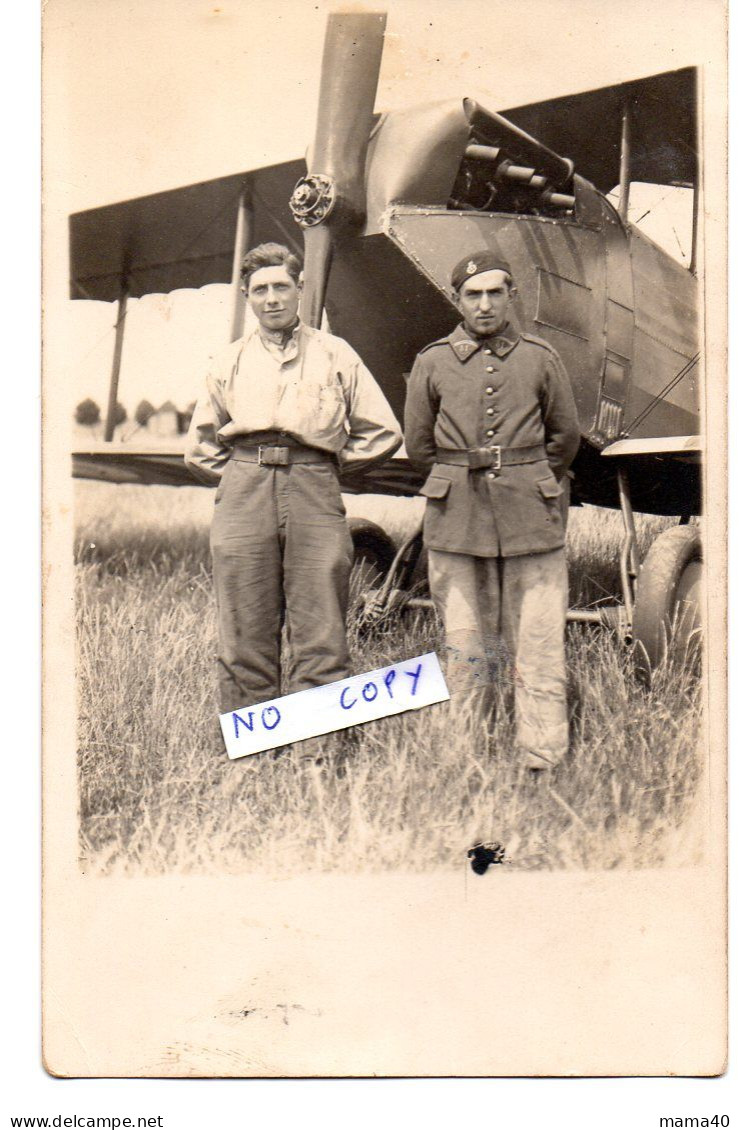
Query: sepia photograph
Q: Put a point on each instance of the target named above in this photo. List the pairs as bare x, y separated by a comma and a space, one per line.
385, 516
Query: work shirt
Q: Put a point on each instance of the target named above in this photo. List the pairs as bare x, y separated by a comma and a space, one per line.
510, 390
315, 391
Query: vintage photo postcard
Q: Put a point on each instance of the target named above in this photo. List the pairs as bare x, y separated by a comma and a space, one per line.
385, 509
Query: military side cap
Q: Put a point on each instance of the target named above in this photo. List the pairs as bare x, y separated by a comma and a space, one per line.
474, 265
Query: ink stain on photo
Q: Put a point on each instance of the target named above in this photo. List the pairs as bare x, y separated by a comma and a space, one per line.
483, 855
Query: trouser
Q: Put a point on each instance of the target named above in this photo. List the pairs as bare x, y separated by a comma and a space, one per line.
281, 547
507, 614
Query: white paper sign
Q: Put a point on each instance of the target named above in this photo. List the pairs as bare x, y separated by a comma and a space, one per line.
336, 706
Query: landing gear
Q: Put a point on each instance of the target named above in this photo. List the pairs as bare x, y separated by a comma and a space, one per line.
618, 616
374, 553
660, 613
393, 590
667, 614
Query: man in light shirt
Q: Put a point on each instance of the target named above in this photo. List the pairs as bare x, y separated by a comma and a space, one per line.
282, 409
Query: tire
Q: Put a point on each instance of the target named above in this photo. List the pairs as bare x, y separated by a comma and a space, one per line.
667, 612
374, 552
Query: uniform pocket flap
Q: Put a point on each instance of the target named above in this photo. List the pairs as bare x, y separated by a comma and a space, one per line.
435, 487
550, 488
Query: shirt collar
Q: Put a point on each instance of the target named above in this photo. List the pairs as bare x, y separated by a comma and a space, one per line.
465, 345
293, 337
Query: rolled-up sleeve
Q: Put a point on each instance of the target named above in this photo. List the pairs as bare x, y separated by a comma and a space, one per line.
420, 417
561, 425
205, 456
374, 433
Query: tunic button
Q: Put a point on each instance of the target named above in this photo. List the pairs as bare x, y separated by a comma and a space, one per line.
492, 475
489, 390
490, 411
490, 369
489, 352
490, 432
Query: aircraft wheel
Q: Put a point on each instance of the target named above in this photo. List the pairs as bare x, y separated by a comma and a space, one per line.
667, 610
374, 553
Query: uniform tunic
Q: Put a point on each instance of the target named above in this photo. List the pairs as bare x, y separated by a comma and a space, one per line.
510, 390
495, 536
279, 538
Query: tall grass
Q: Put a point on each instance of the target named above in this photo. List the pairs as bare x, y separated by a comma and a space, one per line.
415, 791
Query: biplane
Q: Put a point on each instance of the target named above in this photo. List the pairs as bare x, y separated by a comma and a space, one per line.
385, 206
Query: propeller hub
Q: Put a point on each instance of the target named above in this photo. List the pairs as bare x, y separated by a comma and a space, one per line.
313, 199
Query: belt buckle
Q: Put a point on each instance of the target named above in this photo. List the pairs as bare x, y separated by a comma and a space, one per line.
278, 457
485, 457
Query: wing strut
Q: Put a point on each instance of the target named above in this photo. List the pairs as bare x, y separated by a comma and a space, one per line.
242, 243
697, 191
624, 166
117, 353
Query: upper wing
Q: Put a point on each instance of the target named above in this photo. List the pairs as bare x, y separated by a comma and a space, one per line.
587, 128
181, 238
185, 237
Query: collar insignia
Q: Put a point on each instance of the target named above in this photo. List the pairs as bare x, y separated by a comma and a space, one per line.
464, 348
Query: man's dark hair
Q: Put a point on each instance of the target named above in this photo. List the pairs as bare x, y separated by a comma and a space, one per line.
270, 255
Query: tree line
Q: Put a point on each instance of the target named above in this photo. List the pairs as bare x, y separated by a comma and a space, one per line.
88, 413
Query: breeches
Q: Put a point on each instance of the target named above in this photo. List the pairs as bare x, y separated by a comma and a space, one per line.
506, 616
281, 549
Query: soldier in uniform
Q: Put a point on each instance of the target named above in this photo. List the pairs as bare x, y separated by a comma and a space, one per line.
491, 418
282, 409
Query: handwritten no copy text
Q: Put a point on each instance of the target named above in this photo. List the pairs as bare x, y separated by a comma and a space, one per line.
335, 706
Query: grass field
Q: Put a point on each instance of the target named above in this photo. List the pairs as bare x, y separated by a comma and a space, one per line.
157, 792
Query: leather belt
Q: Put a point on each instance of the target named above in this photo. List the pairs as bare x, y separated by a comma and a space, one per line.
493, 456
279, 455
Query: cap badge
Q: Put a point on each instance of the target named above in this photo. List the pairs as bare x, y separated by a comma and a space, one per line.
471, 267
